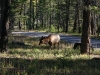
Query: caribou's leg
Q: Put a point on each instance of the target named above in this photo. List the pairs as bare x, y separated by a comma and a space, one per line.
50, 43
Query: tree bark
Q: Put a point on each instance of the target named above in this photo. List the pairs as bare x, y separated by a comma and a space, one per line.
67, 14
93, 24
30, 19
76, 21
86, 28
33, 16
4, 25
20, 13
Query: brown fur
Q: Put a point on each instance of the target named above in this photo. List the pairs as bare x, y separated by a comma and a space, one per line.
52, 39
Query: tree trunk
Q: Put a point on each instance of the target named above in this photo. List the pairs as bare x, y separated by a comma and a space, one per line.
50, 18
67, 14
58, 17
37, 14
30, 19
93, 24
24, 15
33, 16
20, 13
86, 28
76, 22
93, 19
4, 25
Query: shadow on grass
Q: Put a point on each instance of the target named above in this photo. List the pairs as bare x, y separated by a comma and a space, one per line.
12, 66
31, 43
41, 47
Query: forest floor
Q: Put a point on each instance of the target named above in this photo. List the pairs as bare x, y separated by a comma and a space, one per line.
31, 58
65, 37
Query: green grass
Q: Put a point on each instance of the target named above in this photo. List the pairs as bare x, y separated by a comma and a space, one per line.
33, 59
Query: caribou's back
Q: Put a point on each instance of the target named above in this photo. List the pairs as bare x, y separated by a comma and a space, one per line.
54, 38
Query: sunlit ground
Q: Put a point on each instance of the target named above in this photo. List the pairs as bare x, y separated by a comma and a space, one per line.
32, 59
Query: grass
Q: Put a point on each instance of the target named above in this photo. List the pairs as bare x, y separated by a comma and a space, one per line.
33, 59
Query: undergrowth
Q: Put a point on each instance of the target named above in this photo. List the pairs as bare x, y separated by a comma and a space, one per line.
32, 59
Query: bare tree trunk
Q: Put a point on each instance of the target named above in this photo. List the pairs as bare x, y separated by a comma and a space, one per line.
50, 18
30, 19
20, 13
37, 14
25, 15
86, 28
67, 14
33, 16
93, 19
93, 24
76, 22
59, 17
4, 25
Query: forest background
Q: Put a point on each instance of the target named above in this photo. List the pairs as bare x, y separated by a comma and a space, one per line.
52, 16
74, 17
